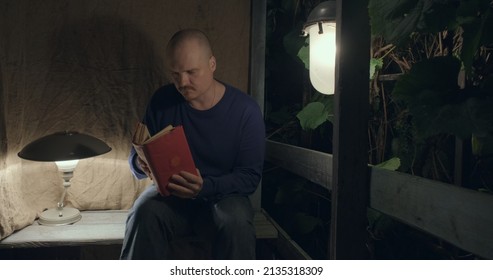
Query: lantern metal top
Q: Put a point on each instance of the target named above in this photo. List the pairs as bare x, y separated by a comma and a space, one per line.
323, 12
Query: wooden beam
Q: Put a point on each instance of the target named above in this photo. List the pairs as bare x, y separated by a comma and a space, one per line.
457, 215
460, 216
312, 165
287, 247
350, 188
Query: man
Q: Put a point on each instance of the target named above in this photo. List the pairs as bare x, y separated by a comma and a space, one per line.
226, 134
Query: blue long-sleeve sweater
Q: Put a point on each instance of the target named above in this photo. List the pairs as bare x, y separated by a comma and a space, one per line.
227, 141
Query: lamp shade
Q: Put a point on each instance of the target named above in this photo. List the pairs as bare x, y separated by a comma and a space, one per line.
62, 146
321, 29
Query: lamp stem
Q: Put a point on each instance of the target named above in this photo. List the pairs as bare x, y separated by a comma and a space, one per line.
67, 175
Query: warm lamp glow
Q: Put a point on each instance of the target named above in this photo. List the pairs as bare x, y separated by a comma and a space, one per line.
67, 165
65, 149
321, 29
322, 57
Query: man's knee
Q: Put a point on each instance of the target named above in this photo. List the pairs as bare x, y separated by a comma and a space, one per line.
144, 206
234, 215
151, 209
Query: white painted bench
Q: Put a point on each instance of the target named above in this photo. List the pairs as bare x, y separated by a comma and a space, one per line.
97, 228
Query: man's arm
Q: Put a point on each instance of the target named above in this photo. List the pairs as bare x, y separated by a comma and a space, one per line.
134, 165
247, 170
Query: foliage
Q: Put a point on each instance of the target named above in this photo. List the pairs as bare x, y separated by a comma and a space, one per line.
288, 89
430, 86
435, 89
295, 114
442, 53
438, 105
391, 164
428, 43
316, 113
396, 21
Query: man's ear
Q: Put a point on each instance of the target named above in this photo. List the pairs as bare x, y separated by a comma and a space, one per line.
212, 63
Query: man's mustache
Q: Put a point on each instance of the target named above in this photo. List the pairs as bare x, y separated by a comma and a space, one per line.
186, 88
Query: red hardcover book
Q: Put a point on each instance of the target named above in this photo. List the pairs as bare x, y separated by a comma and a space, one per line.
166, 153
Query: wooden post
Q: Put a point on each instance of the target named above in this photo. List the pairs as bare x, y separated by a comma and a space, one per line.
350, 192
3, 127
257, 68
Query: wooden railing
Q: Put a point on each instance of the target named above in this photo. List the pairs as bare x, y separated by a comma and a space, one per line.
457, 215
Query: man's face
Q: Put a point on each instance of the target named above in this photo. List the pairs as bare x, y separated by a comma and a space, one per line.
191, 70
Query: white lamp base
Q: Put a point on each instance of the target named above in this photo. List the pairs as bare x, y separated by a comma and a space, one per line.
52, 217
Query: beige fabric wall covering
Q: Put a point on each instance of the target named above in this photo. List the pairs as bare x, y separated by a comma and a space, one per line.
91, 66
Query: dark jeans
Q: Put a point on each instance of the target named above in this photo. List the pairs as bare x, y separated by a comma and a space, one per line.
155, 221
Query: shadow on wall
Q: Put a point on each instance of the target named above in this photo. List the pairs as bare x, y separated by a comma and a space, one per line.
93, 76
107, 69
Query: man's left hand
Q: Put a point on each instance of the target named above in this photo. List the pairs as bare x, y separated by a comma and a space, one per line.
185, 184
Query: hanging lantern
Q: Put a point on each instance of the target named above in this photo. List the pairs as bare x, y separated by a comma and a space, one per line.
321, 29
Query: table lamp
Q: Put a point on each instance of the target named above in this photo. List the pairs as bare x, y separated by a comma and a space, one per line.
65, 149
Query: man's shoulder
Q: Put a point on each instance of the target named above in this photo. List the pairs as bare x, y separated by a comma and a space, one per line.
243, 104
239, 94
232, 88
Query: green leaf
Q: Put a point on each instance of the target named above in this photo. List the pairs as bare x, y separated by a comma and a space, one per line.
471, 43
482, 145
487, 86
477, 32
437, 74
438, 16
375, 65
304, 54
289, 6
426, 88
305, 223
436, 103
313, 115
487, 39
478, 112
391, 164
293, 41
396, 20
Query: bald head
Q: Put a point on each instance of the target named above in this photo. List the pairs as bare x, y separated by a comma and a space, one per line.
186, 37
191, 66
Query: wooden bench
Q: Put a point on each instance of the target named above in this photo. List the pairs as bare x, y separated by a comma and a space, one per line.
97, 228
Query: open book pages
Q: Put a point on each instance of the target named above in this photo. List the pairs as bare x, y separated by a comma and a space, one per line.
142, 135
